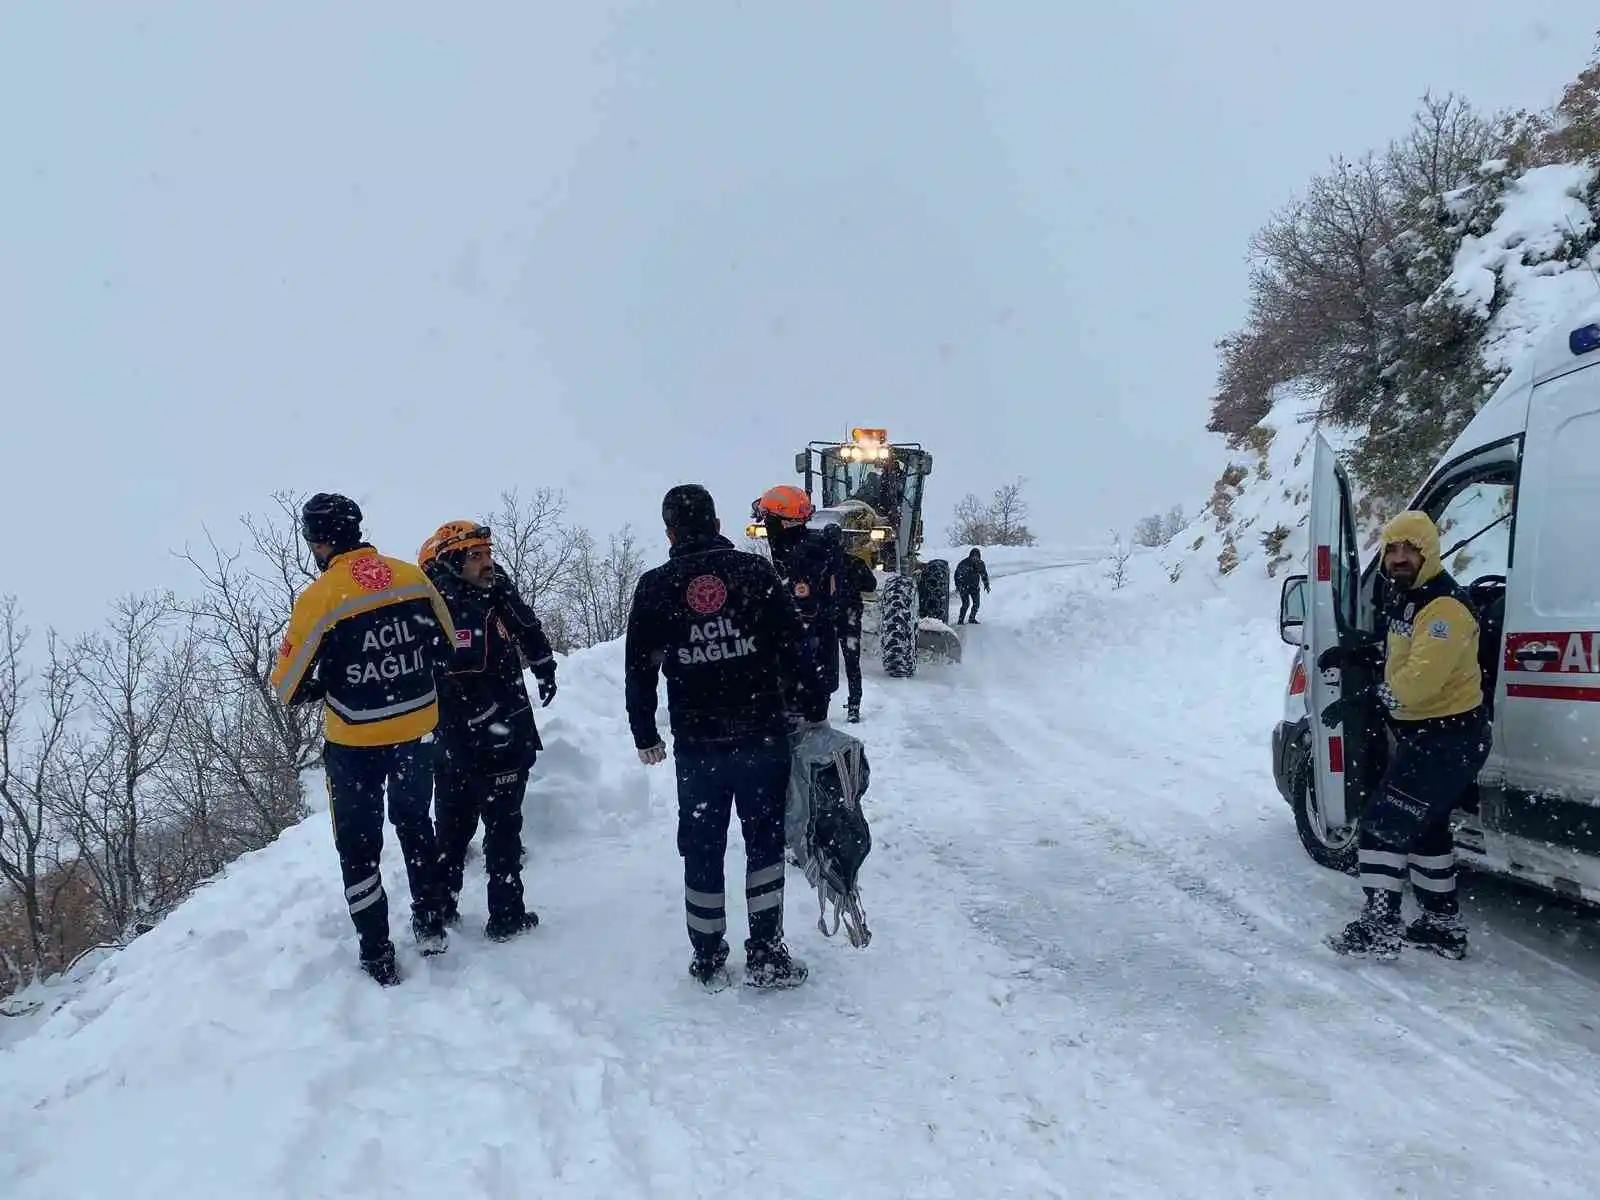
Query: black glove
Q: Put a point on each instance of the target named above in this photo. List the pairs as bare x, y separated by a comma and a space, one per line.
547, 688
1378, 694
1333, 715
1367, 654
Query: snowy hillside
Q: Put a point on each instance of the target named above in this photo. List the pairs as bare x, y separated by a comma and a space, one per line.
1524, 258
1520, 270
1096, 972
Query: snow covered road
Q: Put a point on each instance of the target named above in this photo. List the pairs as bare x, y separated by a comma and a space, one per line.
1130, 845
1096, 972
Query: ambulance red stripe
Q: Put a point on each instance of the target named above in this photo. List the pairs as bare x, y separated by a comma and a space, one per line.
1552, 691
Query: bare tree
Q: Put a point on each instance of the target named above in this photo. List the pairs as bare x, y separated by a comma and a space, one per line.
1320, 285
238, 621
1008, 514
133, 684
599, 588
971, 525
1149, 531
999, 522
1158, 529
1448, 142
1117, 568
1575, 125
29, 848
533, 541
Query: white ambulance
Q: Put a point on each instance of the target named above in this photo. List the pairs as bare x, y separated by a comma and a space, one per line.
1517, 499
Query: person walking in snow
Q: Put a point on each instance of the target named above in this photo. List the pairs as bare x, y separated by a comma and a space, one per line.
718, 623
488, 740
368, 637
856, 579
970, 572
1432, 694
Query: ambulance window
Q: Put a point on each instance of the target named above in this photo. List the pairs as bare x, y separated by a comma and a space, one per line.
1566, 572
1477, 512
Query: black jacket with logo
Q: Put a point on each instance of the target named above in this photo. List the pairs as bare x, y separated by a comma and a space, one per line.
855, 581
718, 623
811, 564
485, 715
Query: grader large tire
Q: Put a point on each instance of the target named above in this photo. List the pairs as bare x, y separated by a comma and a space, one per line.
933, 590
897, 631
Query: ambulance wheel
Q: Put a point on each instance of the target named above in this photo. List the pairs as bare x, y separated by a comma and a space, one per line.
1335, 850
897, 631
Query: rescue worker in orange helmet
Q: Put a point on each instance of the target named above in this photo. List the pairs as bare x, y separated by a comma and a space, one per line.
488, 738
812, 568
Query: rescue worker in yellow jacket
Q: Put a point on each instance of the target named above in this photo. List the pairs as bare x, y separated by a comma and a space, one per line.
1432, 692
367, 638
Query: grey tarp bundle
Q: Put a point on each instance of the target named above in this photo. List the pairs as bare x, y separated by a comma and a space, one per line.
824, 826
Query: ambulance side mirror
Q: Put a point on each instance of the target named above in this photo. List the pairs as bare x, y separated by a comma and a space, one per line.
1292, 610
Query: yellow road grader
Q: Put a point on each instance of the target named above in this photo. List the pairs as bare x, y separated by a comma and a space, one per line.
872, 491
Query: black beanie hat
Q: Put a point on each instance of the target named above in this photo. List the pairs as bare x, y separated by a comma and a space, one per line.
689, 509
331, 518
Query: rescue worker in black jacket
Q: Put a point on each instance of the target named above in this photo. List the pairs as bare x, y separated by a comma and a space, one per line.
718, 623
811, 566
1432, 696
856, 580
970, 572
488, 739
368, 637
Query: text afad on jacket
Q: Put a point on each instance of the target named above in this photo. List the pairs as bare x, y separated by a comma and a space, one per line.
393, 636
715, 641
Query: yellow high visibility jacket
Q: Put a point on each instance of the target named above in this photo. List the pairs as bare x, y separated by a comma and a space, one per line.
1431, 669
367, 637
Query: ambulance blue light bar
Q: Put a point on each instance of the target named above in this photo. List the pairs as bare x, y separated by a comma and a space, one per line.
1583, 340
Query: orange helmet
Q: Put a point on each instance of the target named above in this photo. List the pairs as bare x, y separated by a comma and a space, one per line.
788, 502
452, 536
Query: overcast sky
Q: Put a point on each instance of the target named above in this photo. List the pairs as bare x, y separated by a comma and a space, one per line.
422, 253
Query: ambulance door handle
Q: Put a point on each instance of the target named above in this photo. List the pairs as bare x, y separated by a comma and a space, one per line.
1542, 656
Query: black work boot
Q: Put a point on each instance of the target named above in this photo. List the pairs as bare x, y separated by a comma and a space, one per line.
770, 966
430, 935
502, 927
852, 713
709, 967
1445, 935
1374, 934
381, 966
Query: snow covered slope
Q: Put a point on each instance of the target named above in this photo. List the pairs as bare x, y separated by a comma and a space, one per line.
1253, 525
1096, 972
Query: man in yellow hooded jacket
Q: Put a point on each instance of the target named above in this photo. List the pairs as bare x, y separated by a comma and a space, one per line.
1432, 691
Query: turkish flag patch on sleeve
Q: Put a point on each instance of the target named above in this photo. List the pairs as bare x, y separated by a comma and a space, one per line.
464, 638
